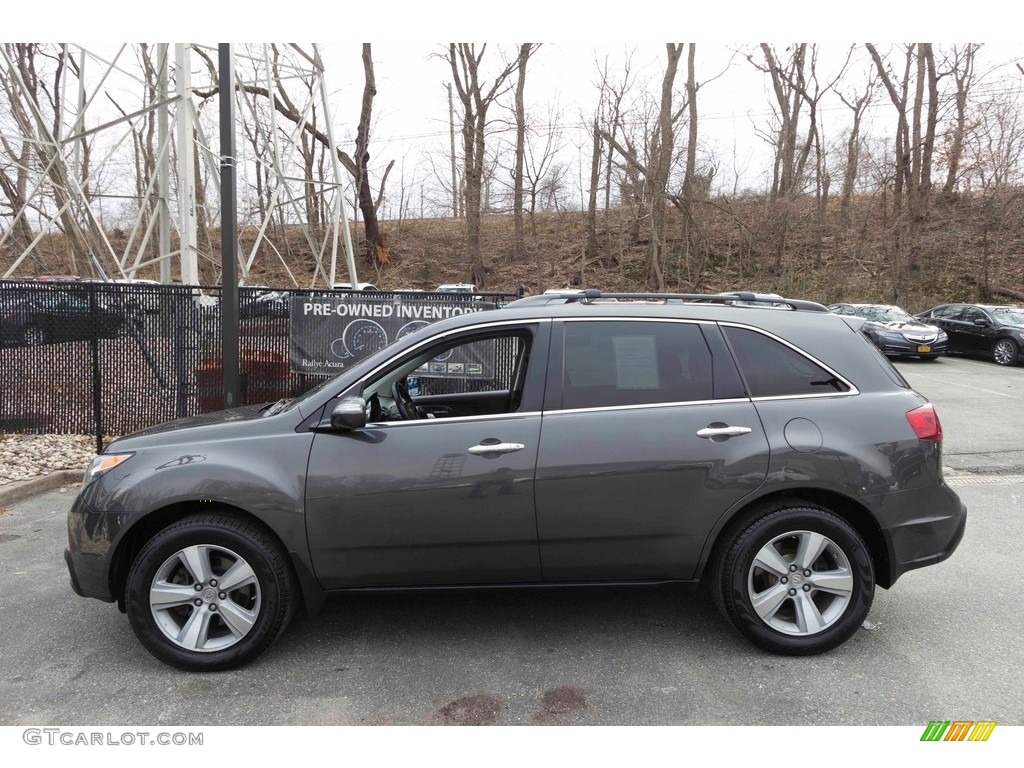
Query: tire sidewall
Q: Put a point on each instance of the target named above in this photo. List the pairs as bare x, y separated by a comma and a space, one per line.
750, 542
166, 544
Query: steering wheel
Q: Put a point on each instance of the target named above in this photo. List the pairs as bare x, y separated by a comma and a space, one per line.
403, 401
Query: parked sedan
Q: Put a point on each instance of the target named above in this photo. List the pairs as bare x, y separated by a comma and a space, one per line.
896, 332
32, 318
994, 331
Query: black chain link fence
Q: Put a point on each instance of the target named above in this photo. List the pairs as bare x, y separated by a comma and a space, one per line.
106, 359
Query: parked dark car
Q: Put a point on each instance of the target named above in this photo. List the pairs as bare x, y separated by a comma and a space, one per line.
31, 316
896, 332
994, 331
262, 303
774, 453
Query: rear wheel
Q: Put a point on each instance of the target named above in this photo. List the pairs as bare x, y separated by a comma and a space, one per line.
210, 592
1005, 352
794, 579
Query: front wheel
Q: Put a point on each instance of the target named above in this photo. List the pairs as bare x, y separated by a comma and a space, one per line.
794, 579
1005, 352
210, 592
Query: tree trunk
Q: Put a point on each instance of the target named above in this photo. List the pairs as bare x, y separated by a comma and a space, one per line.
963, 74
662, 145
366, 202
595, 179
525, 50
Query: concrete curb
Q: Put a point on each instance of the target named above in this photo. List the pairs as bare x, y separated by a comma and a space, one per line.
23, 489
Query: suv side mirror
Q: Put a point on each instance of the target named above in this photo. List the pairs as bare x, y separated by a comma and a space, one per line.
350, 413
982, 321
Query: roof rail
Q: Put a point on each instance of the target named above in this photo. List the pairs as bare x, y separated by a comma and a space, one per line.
738, 298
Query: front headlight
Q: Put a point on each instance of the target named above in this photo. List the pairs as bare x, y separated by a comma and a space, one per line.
103, 464
891, 335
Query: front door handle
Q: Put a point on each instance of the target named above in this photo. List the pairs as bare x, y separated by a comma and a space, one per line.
710, 433
479, 450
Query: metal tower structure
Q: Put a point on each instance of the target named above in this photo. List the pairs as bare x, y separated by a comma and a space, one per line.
123, 143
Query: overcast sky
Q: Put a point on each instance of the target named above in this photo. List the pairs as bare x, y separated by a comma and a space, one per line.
411, 107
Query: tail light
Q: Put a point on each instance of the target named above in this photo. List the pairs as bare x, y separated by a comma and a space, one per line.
925, 422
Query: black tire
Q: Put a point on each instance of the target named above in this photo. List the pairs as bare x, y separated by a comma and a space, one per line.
807, 618
260, 605
1005, 352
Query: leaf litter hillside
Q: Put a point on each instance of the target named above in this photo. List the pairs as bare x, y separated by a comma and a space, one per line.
969, 249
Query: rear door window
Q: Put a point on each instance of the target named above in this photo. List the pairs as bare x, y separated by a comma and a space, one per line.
610, 363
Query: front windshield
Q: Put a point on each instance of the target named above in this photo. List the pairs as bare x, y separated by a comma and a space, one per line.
881, 314
1010, 315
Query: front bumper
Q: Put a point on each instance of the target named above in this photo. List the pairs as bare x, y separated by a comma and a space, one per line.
904, 347
90, 546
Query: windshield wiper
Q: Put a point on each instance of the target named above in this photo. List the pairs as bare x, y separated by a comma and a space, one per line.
277, 407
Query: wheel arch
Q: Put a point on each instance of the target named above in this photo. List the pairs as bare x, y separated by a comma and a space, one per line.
854, 513
310, 594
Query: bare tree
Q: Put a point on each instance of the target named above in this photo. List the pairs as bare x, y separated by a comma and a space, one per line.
994, 141
311, 133
962, 69
34, 97
591, 249
526, 50
655, 169
858, 104
476, 98
917, 120
540, 174
794, 84
457, 196
367, 204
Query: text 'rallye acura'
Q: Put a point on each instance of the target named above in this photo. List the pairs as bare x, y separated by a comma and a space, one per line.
585, 439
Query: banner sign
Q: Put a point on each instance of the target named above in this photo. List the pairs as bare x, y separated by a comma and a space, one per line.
328, 334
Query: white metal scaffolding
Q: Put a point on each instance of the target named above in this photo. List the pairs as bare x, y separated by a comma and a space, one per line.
127, 146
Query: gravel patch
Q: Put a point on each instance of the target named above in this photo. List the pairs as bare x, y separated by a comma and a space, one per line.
23, 457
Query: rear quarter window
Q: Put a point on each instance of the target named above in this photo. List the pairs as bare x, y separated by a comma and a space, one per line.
773, 369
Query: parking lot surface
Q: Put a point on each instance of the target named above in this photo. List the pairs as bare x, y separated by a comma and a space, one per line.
944, 643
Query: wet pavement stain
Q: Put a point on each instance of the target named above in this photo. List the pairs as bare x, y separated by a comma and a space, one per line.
476, 709
559, 702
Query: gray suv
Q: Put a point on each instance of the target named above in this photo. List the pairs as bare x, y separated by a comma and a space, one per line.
575, 439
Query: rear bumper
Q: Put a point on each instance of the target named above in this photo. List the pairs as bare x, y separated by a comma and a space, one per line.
923, 541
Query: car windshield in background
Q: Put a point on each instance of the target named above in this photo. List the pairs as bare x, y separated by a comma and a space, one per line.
887, 315
1011, 316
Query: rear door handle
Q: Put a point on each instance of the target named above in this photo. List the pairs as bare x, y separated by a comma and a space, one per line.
710, 433
478, 450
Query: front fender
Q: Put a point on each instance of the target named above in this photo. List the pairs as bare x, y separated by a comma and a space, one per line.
266, 481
